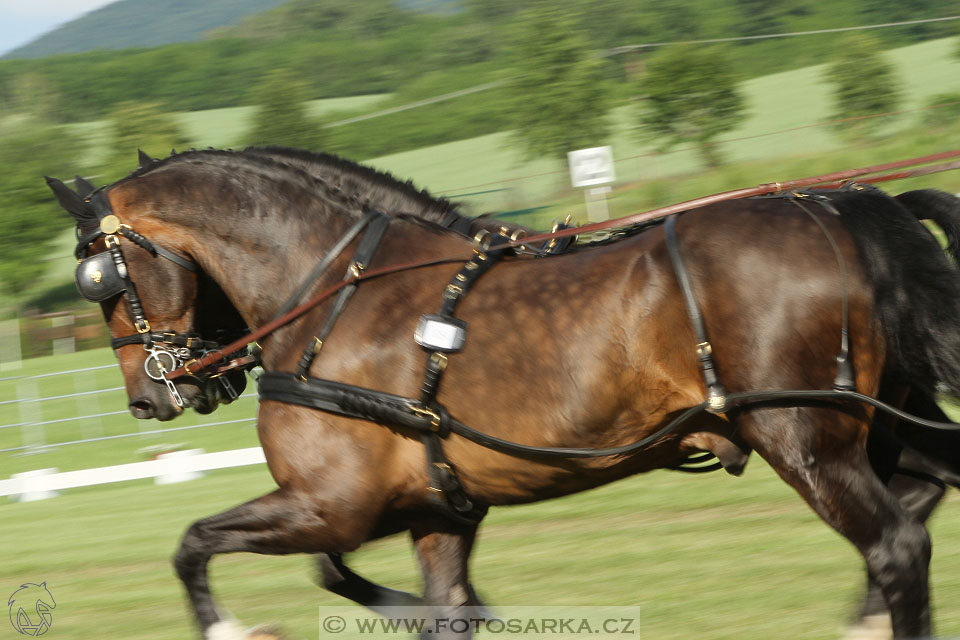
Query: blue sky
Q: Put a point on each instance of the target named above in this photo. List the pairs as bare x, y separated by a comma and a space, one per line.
23, 20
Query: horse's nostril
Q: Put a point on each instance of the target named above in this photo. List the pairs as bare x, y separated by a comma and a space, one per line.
142, 408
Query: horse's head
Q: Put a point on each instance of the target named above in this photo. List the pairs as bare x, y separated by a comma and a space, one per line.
162, 310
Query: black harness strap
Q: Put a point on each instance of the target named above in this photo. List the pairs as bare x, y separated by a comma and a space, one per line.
447, 493
845, 378
716, 394
361, 260
190, 341
327, 260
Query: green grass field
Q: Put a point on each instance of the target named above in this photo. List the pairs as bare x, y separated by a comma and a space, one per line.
707, 556
711, 556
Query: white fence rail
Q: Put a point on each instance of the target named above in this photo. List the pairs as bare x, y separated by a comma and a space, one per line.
23, 413
177, 466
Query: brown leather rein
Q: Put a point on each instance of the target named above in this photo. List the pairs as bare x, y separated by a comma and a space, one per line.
830, 180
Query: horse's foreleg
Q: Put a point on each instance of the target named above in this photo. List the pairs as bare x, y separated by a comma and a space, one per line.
443, 548
281, 522
817, 452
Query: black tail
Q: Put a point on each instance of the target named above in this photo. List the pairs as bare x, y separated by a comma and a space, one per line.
939, 206
916, 288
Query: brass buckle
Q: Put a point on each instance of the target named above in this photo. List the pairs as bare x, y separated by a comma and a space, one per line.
481, 241
439, 360
114, 239
186, 366
443, 466
356, 269
704, 349
142, 325
452, 292
426, 412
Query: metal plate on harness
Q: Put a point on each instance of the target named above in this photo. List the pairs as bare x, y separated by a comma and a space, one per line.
440, 333
98, 279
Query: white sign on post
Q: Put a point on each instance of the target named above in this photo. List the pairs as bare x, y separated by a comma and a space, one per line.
592, 168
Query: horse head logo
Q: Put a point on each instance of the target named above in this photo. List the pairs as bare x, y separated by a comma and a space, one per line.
30, 607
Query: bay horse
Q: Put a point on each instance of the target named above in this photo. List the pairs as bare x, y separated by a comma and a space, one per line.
343, 481
917, 475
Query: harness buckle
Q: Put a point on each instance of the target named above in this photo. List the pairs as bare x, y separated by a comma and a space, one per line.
426, 412
704, 349
452, 292
186, 366
142, 325
481, 241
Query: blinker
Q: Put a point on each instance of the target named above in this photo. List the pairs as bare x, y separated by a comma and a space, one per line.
98, 279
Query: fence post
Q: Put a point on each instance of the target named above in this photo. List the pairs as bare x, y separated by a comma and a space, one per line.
10, 353
68, 343
32, 434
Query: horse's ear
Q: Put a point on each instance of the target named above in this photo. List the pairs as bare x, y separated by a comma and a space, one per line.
71, 202
144, 159
84, 186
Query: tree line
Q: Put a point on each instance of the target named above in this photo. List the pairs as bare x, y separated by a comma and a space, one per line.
555, 95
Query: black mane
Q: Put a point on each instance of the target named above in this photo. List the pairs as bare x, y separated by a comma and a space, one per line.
368, 185
343, 182
268, 166
380, 189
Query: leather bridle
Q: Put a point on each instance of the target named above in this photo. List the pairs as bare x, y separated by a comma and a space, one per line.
105, 275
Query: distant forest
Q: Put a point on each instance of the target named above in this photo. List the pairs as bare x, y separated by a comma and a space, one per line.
141, 23
344, 47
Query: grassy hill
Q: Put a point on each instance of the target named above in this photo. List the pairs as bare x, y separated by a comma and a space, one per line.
490, 174
141, 23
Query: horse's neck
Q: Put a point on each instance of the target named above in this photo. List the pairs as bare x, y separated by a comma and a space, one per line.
259, 266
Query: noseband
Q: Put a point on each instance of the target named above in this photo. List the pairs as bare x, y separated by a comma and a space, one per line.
103, 276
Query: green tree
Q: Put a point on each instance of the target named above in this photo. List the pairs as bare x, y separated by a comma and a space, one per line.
558, 100
36, 95
30, 217
139, 126
690, 95
281, 117
864, 85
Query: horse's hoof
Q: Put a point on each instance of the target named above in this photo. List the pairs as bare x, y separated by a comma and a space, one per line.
231, 630
875, 627
225, 630
265, 633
